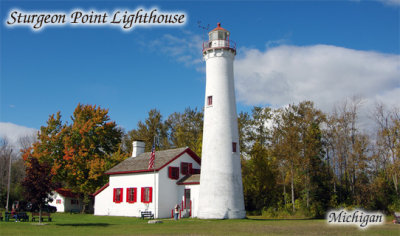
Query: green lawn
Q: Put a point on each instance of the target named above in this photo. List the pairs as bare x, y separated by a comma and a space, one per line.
77, 224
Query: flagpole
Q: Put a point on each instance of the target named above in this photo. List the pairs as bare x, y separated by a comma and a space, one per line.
154, 168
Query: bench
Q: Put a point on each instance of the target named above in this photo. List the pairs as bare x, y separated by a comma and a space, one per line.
1, 216
147, 214
36, 214
22, 216
75, 211
396, 218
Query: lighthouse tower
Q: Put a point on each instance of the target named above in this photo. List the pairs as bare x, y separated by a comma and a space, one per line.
221, 190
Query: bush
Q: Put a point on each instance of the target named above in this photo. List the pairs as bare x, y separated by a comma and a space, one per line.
395, 206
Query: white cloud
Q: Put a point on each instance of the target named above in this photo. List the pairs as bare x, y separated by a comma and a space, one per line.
321, 73
185, 49
13, 132
390, 2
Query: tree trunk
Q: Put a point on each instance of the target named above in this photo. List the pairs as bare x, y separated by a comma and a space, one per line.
40, 214
292, 186
395, 184
284, 193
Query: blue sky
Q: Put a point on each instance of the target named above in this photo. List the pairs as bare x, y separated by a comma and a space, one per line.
288, 51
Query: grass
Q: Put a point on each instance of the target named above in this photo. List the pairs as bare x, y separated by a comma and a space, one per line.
77, 224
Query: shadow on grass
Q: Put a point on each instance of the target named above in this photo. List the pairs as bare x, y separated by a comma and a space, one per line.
262, 219
86, 224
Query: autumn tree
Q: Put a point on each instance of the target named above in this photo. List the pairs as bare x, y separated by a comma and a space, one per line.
89, 144
38, 182
78, 154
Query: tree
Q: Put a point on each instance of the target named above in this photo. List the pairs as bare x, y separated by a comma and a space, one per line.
286, 144
186, 129
38, 182
348, 149
388, 142
259, 178
89, 144
79, 154
152, 127
5, 157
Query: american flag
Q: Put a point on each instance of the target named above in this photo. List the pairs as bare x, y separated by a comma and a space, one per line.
152, 157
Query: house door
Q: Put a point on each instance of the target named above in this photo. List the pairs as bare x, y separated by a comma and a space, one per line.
187, 199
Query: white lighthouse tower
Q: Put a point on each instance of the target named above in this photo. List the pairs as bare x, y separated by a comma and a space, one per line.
221, 190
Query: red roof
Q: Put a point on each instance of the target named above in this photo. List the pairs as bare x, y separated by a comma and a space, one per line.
219, 27
101, 189
66, 193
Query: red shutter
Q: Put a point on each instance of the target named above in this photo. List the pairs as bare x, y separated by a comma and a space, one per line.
151, 194
127, 195
121, 196
114, 195
142, 195
190, 168
134, 194
170, 172
176, 170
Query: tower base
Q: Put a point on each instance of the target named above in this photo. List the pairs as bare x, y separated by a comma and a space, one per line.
215, 214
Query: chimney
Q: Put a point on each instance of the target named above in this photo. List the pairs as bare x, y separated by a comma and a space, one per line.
137, 148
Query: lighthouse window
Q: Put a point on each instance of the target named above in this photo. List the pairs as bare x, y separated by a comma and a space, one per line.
209, 100
234, 147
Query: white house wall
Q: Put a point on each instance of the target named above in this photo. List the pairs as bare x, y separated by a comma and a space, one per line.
194, 195
170, 193
166, 194
65, 205
102, 202
60, 207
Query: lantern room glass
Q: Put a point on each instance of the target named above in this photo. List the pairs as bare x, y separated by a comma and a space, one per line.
218, 35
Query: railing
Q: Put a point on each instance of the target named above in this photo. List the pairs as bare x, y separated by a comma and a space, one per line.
217, 44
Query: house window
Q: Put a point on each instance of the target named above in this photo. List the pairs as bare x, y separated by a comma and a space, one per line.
58, 201
131, 195
117, 195
74, 202
173, 172
186, 168
209, 101
147, 194
234, 147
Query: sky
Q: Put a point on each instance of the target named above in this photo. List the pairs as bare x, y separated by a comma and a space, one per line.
287, 52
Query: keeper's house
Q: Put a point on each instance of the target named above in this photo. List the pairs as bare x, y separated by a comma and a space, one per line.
134, 188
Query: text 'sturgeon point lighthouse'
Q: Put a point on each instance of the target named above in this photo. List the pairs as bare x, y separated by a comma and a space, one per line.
221, 189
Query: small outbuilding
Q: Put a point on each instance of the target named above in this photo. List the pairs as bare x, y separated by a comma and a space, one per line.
65, 200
